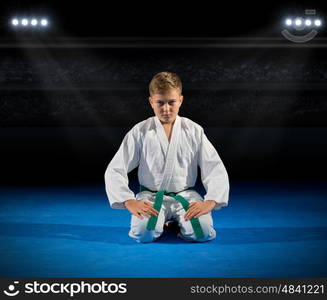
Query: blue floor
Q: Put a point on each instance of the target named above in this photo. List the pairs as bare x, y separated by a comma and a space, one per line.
270, 229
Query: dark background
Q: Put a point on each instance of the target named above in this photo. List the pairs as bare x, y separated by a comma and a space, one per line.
69, 94
161, 18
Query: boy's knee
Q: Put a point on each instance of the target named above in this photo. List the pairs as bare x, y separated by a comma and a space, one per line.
145, 237
207, 236
141, 234
209, 233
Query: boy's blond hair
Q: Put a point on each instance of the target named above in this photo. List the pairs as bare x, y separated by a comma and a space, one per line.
163, 82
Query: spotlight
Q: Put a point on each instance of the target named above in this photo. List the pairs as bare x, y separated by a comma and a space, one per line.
14, 22
298, 22
308, 22
288, 22
305, 27
34, 22
24, 22
29, 22
44, 22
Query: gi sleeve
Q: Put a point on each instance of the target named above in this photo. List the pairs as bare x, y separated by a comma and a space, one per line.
116, 176
213, 173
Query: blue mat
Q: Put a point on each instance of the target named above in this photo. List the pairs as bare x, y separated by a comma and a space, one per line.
270, 229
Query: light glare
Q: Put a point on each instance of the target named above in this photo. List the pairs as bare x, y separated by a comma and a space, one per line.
288, 22
15, 22
298, 22
308, 22
34, 22
24, 22
44, 22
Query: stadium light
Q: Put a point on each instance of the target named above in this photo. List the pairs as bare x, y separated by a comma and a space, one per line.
288, 22
301, 29
308, 22
29, 22
44, 22
298, 21
24, 22
34, 22
15, 22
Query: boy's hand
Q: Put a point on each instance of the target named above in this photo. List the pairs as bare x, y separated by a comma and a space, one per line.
139, 208
197, 209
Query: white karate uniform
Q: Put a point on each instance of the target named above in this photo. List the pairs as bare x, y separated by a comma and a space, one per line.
170, 166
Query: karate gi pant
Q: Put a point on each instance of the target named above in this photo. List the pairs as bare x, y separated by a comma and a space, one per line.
171, 210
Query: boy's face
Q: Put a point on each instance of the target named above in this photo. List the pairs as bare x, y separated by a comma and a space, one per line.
166, 106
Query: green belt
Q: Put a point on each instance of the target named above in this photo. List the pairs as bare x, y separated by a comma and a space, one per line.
158, 203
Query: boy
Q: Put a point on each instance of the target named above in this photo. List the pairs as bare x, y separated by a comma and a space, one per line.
167, 149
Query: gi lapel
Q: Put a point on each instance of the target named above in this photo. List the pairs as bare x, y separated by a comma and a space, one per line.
161, 135
171, 152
